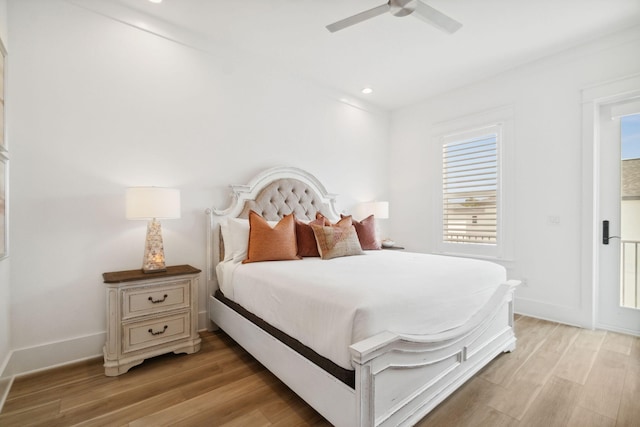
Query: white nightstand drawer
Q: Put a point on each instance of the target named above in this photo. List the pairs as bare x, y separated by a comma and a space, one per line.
154, 332
150, 314
156, 299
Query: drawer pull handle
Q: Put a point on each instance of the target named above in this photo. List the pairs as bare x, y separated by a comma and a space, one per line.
159, 332
158, 300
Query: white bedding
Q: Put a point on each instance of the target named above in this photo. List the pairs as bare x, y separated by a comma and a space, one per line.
330, 304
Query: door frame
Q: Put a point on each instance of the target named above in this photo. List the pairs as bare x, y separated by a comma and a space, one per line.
593, 98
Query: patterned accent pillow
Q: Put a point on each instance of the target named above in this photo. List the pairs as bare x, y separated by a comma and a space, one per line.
307, 246
343, 222
271, 244
366, 230
337, 241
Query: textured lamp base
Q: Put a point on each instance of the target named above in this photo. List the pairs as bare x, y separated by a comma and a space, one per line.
153, 261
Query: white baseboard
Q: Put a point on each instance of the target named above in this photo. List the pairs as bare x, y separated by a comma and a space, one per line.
30, 359
556, 313
5, 386
5, 381
617, 329
205, 324
203, 321
3, 365
22, 361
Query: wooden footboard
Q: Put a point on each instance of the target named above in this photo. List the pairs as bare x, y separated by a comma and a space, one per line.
399, 379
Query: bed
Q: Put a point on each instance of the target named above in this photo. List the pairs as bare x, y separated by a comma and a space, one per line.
362, 339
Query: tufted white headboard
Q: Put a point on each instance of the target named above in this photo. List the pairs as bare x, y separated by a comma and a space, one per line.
273, 193
282, 197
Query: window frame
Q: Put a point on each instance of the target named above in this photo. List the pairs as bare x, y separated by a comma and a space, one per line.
500, 123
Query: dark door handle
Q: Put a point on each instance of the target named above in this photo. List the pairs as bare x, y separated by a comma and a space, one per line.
605, 233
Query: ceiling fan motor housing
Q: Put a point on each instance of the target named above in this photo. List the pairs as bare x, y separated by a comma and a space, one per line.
402, 8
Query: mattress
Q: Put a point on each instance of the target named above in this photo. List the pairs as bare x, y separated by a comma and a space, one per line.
328, 305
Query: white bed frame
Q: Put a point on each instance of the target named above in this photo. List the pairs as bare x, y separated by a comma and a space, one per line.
398, 379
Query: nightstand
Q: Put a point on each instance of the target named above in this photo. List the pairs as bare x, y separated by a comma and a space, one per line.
149, 314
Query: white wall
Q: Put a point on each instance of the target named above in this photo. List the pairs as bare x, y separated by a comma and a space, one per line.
97, 106
546, 100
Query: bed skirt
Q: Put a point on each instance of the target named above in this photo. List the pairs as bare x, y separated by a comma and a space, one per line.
346, 376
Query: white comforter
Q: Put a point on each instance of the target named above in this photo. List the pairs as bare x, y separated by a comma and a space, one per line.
330, 304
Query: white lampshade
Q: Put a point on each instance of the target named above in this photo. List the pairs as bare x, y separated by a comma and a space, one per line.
380, 210
152, 202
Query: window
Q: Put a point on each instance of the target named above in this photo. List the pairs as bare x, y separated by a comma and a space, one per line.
475, 187
472, 171
470, 190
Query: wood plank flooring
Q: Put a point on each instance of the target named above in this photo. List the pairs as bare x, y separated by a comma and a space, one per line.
558, 376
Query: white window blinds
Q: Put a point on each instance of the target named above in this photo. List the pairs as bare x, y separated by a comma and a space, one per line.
470, 190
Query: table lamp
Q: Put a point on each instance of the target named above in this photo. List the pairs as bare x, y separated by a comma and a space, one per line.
380, 210
153, 203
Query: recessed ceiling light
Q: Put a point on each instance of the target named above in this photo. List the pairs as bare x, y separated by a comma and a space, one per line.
367, 90
155, 1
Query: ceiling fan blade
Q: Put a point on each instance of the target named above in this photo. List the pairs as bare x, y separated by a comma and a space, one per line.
436, 18
355, 19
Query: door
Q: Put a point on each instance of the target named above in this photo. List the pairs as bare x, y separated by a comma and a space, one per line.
618, 297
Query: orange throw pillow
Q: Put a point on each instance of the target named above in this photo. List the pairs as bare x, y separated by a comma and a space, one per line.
271, 244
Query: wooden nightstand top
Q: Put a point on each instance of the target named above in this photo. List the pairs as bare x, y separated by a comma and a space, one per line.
132, 275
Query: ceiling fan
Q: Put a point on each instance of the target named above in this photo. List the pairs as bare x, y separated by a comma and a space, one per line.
402, 8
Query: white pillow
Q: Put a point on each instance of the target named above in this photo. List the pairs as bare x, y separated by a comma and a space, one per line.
238, 238
226, 240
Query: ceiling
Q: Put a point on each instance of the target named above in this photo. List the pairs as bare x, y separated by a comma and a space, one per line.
403, 59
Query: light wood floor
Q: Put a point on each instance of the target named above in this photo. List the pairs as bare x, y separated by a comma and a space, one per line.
558, 376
